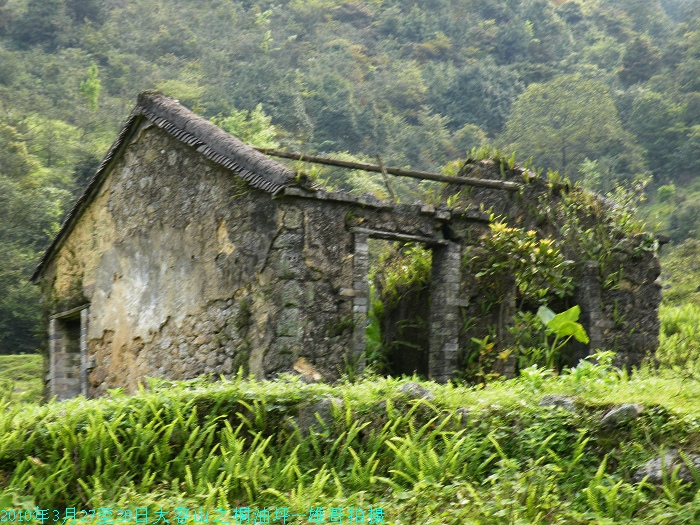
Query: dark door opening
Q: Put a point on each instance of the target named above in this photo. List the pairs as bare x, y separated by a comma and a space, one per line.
399, 312
67, 354
441, 278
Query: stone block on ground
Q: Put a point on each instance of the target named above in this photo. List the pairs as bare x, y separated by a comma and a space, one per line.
654, 469
621, 414
318, 415
558, 401
416, 391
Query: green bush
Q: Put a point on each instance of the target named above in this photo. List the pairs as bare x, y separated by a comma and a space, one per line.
679, 340
665, 192
540, 269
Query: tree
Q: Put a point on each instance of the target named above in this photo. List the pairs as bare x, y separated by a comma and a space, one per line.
15, 161
552, 40
478, 93
252, 127
639, 63
90, 87
564, 121
85, 10
30, 208
657, 123
29, 214
43, 23
685, 165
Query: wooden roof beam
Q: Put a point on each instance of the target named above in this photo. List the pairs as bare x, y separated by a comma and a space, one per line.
424, 175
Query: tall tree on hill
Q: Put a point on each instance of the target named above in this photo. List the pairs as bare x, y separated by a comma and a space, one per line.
30, 208
85, 10
640, 61
565, 121
42, 23
657, 123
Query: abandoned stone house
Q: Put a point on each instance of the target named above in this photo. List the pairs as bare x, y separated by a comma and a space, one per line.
190, 252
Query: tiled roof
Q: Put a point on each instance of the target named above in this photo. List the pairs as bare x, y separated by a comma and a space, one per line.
209, 140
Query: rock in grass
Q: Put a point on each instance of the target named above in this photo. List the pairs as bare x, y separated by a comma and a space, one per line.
416, 391
324, 408
621, 414
558, 401
654, 469
462, 416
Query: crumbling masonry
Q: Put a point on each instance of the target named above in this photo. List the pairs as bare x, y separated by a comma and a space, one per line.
191, 253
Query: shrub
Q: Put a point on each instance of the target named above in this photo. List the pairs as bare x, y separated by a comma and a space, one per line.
679, 340
665, 192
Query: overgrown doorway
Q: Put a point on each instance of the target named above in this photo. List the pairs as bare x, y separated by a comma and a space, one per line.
398, 333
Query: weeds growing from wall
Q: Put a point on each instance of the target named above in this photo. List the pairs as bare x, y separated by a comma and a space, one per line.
539, 268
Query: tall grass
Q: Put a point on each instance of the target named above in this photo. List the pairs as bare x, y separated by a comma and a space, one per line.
21, 378
236, 444
679, 340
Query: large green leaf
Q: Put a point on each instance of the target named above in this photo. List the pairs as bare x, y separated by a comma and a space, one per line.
565, 323
545, 315
572, 314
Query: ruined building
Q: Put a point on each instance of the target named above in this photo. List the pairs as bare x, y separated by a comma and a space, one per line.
191, 252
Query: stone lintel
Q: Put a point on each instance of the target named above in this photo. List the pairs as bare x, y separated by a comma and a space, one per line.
397, 236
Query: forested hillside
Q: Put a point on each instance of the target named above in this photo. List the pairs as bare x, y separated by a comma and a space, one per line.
605, 91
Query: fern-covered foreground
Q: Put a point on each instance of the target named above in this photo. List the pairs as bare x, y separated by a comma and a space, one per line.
236, 444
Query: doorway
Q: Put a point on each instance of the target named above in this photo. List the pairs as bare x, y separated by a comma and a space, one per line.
438, 359
68, 354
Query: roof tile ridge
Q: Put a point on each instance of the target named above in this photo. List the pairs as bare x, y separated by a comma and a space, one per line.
215, 138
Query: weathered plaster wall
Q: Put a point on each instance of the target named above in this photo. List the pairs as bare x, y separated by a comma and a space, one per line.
188, 270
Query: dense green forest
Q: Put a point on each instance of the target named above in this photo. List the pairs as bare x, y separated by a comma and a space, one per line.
606, 92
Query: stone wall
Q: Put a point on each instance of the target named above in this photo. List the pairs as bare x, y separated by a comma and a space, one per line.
614, 271
189, 270
615, 277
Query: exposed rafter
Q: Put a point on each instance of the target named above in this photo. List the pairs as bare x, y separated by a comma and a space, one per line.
424, 175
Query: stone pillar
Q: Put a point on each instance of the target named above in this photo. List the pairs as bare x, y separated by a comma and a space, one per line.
55, 345
444, 312
588, 297
64, 358
84, 365
360, 301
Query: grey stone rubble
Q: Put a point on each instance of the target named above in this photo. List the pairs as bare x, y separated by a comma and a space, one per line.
319, 415
654, 469
463, 415
416, 391
558, 401
621, 414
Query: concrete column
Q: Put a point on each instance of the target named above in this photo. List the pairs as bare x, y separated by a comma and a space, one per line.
360, 301
444, 312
